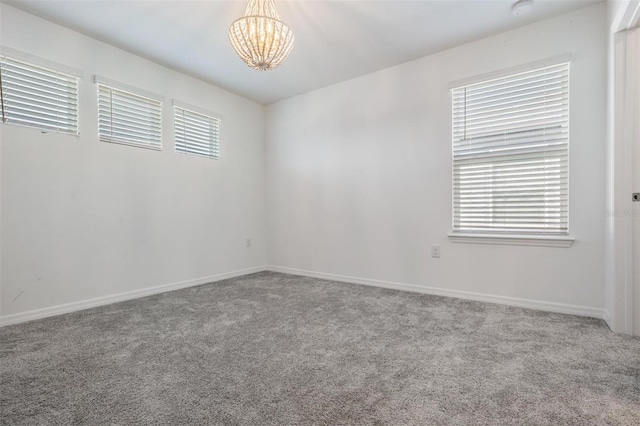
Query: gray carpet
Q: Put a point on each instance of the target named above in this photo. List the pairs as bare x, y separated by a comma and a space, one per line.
270, 349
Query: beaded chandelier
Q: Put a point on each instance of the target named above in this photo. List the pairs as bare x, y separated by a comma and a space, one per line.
260, 38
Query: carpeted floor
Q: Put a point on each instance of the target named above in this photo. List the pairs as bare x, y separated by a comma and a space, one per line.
270, 349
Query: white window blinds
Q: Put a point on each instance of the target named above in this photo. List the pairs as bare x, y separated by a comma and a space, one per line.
196, 133
38, 97
129, 118
510, 154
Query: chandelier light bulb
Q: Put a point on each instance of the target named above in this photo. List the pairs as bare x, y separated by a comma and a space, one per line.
260, 38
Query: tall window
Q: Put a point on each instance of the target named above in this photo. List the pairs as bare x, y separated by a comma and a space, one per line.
38, 97
197, 133
510, 154
129, 118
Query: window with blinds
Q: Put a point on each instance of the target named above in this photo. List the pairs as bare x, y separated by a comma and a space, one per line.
128, 118
38, 97
511, 154
196, 133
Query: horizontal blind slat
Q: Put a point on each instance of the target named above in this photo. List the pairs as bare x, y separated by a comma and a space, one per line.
36, 118
519, 76
42, 79
44, 108
519, 115
505, 106
538, 88
199, 132
533, 84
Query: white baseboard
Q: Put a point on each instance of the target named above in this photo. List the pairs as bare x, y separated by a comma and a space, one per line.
561, 308
135, 294
606, 316
120, 297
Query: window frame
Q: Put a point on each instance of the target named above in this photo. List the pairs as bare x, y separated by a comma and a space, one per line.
561, 240
200, 111
137, 92
44, 65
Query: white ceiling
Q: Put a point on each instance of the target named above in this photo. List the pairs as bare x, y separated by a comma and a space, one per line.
335, 40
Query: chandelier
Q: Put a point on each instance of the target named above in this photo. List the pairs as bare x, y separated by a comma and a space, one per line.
260, 38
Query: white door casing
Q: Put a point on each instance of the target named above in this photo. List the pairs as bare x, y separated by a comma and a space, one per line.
622, 224
633, 133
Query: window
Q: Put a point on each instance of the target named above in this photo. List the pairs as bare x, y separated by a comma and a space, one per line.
197, 133
38, 97
510, 154
128, 118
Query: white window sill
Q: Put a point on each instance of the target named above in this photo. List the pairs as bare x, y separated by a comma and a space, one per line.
513, 240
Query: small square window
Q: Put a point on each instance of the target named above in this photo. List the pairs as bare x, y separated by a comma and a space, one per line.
197, 133
129, 118
38, 97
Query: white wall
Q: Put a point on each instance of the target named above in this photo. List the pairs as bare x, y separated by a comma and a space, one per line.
359, 173
84, 219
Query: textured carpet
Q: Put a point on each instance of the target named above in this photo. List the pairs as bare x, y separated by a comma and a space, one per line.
269, 349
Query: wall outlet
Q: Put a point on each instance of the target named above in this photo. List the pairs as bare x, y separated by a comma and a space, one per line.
247, 242
435, 250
